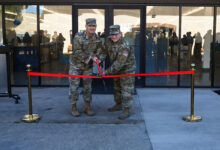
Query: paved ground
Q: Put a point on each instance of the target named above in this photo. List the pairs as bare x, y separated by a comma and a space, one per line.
50, 136
58, 130
156, 122
53, 106
163, 110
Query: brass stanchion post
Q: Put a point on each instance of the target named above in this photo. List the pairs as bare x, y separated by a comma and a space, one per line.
30, 117
192, 117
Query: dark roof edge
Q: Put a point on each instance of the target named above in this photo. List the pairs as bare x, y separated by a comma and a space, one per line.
95, 2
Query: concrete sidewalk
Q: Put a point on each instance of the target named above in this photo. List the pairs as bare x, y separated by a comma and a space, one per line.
59, 130
156, 122
163, 110
53, 106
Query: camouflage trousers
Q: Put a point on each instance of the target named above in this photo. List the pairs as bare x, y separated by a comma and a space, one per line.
75, 82
124, 91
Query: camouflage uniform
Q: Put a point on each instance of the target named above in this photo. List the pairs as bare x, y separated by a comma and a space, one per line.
122, 62
84, 48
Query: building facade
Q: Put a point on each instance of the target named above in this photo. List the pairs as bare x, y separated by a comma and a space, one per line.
166, 36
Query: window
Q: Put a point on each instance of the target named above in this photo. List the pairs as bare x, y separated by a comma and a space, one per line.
162, 41
217, 51
21, 28
21, 24
55, 37
129, 21
197, 36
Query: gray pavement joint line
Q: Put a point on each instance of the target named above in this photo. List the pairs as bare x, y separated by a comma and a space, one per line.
144, 120
87, 122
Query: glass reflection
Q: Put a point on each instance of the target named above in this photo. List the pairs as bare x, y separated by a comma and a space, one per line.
21, 23
55, 38
162, 44
197, 24
129, 21
21, 26
1, 34
217, 51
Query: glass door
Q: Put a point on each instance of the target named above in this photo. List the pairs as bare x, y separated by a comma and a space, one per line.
129, 21
98, 13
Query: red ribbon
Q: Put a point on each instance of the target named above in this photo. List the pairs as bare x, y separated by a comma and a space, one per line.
150, 74
100, 71
109, 76
59, 75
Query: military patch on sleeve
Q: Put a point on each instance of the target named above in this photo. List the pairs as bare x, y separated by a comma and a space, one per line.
125, 53
75, 45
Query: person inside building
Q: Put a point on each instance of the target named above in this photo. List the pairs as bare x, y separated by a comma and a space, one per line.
27, 39
173, 42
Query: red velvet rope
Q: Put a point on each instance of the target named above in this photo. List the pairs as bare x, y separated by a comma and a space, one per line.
59, 75
109, 76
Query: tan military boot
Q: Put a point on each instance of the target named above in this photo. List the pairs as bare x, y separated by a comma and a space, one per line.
88, 109
75, 112
116, 107
125, 114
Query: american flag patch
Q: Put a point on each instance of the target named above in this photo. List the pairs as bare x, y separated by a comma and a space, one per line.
125, 54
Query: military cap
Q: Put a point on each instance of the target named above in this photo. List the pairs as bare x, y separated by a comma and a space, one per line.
114, 29
91, 22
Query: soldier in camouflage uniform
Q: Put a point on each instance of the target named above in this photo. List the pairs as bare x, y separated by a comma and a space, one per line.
122, 62
86, 46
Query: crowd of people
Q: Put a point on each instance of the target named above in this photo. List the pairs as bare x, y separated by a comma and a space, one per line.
50, 47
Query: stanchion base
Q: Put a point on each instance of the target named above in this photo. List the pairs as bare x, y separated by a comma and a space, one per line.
190, 118
31, 118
